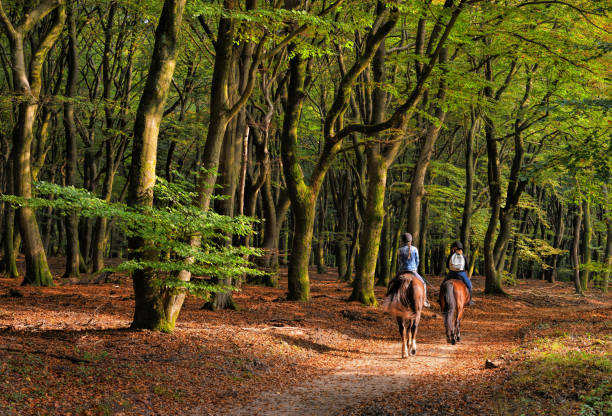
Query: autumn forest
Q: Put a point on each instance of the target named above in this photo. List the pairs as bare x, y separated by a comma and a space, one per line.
191, 189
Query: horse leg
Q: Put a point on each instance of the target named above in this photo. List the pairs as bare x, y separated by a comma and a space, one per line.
409, 332
453, 333
458, 324
402, 329
413, 331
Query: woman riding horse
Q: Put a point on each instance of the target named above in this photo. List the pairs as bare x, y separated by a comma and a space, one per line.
406, 295
457, 264
408, 261
455, 292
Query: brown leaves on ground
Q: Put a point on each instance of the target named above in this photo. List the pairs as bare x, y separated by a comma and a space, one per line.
68, 350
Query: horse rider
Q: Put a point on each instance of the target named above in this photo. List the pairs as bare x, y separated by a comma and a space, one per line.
408, 261
457, 264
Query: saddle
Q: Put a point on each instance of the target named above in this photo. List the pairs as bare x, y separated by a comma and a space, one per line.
452, 276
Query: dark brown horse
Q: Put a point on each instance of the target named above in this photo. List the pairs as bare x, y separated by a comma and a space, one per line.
404, 300
454, 296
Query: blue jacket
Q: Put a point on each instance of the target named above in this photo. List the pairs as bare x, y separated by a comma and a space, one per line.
408, 261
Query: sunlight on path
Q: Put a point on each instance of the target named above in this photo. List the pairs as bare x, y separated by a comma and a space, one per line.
361, 379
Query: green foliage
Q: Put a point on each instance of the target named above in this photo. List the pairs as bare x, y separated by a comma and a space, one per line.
536, 250
169, 227
508, 279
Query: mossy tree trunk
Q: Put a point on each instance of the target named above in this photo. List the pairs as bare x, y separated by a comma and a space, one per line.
303, 196
153, 309
27, 82
363, 285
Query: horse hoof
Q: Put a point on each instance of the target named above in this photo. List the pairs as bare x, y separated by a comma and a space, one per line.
453, 342
404, 356
458, 339
412, 352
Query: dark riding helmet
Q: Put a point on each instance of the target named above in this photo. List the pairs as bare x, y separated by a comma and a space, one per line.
407, 238
457, 245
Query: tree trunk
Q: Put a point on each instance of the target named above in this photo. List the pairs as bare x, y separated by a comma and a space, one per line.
155, 308
493, 279
575, 246
320, 243
299, 283
227, 180
551, 276
9, 259
586, 244
423, 238
608, 252
398, 232
417, 185
71, 220
363, 285
303, 199
384, 252
27, 81
353, 253
341, 246
469, 184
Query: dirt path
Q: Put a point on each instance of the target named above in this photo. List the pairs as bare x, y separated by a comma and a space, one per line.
378, 372
436, 379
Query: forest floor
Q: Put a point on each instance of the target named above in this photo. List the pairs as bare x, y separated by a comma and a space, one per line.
67, 350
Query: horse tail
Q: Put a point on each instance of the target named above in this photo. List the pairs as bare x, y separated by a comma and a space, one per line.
400, 300
447, 297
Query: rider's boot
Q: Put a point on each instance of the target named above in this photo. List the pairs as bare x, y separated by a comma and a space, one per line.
471, 302
425, 301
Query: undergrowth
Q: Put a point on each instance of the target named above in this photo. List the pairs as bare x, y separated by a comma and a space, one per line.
562, 375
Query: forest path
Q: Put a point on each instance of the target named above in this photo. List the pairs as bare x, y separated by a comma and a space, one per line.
438, 372
374, 374
378, 372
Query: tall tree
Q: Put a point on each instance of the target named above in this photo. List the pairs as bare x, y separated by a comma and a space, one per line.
71, 221
151, 312
27, 78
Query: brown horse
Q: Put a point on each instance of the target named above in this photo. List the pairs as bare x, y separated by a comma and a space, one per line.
453, 297
404, 300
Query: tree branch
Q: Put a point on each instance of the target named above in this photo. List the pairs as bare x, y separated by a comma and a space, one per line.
7, 25
37, 14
